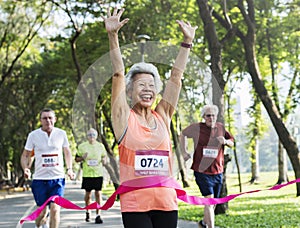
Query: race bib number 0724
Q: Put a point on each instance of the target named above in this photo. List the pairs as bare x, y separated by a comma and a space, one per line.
151, 162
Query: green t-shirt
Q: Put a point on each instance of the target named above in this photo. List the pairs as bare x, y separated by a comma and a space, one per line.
92, 165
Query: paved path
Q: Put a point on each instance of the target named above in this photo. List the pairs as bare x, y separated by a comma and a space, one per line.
17, 205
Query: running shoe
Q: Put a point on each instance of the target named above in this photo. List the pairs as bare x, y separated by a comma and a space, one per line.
98, 220
87, 216
201, 224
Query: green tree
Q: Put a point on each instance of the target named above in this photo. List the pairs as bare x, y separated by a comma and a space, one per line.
276, 50
245, 28
20, 23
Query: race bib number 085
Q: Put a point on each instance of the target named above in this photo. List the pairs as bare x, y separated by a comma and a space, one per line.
49, 160
151, 162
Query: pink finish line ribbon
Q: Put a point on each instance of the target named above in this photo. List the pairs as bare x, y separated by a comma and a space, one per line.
145, 182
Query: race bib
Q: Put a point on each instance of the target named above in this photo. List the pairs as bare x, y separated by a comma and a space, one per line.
49, 160
210, 152
151, 162
92, 162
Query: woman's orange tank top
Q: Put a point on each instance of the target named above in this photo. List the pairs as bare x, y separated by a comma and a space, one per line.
141, 138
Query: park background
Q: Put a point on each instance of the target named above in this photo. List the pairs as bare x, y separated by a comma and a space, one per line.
245, 59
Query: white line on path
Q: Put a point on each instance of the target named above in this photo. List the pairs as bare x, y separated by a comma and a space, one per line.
25, 214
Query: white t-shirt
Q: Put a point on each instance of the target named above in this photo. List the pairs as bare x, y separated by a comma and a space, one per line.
48, 153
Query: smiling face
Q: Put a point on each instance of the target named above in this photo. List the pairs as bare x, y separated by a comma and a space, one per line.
143, 91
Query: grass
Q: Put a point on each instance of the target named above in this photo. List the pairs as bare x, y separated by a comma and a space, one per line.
267, 208
264, 209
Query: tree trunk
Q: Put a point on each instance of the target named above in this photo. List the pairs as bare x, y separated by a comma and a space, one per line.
215, 50
282, 165
218, 83
221, 208
249, 47
115, 177
255, 162
238, 167
112, 175
180, 162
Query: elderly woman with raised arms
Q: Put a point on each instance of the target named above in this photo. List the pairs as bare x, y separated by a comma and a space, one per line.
143, 132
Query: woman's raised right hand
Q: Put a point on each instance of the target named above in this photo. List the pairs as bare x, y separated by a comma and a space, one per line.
112, 21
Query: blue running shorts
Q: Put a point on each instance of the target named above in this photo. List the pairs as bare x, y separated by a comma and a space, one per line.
43, 189
209, 184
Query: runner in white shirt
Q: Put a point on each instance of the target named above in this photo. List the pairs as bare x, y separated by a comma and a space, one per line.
48, 144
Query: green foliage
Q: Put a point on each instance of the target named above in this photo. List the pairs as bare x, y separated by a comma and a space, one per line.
277, 33
157, 18
45, 75
19, 23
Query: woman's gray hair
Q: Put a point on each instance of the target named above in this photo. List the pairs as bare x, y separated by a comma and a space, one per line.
143, 67
212, 107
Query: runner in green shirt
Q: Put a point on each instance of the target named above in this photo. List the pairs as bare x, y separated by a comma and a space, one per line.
92, 154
